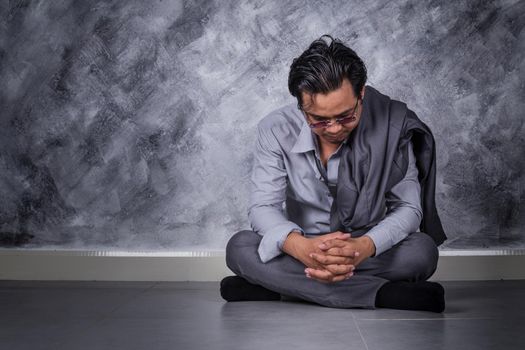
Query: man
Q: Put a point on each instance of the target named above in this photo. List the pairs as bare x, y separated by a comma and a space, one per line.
336, 196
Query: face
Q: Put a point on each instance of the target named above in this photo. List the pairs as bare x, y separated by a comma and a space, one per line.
339, 103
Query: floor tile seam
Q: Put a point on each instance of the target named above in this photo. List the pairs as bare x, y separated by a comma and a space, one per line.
432, 319
72, 286
128, 299
131, 298
161, 285
359, 330
193, 289
58, 344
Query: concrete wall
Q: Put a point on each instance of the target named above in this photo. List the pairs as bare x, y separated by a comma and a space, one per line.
130, 124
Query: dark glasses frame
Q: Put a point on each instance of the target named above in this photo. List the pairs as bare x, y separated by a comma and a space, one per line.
329, 122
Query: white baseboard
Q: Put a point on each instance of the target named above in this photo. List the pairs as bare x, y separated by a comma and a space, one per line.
17, 264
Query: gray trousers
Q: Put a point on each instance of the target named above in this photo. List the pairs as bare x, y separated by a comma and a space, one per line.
413, 259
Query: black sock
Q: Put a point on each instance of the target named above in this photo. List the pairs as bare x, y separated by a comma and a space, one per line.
235, 288
422, 295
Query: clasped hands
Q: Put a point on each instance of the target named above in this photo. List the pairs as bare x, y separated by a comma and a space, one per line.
331, 257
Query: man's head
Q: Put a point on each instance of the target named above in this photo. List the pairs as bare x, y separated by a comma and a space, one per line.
328, 81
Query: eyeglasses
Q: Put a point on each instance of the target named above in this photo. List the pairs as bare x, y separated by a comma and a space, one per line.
329, 122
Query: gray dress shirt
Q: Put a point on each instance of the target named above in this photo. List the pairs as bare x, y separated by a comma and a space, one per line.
288, 189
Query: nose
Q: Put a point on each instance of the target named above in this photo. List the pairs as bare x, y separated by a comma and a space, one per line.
334, 127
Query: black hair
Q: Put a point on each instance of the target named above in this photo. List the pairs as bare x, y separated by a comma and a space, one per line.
323, 67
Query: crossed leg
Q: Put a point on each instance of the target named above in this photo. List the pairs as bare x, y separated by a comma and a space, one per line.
413, 259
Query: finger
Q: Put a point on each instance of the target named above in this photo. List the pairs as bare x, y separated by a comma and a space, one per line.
342, 277
317, 279
346, 237
331, 259
318, 274
345, 251
332, 243
339, 269
332, 279
343, 235
325, 259
336, 235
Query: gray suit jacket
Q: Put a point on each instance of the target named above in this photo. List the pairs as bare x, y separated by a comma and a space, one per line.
375, 158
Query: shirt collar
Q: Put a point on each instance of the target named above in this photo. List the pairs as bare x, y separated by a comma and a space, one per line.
305, 140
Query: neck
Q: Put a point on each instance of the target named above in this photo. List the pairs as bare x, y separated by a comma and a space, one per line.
327, 146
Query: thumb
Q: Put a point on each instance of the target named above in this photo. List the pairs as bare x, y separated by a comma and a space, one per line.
345, 235
341, 233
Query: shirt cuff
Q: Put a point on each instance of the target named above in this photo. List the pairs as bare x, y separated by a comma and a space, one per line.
381, 241
273, 240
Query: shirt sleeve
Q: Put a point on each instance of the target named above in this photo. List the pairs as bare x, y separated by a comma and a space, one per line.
267, 196
404, 213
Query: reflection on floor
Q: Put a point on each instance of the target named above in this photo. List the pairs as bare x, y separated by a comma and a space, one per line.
192, 315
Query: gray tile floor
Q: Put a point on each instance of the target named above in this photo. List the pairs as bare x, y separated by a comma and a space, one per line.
192, 315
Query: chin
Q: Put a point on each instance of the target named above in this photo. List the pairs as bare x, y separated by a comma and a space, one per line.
336, 138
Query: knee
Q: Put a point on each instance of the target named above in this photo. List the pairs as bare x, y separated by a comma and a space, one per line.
422, 263
240, 245
241, 239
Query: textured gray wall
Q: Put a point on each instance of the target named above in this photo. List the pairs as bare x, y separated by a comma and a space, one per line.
130, 124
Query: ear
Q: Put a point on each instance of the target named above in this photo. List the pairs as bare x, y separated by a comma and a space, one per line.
362, 93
